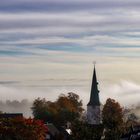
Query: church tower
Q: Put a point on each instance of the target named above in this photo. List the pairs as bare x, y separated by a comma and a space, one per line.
93, 107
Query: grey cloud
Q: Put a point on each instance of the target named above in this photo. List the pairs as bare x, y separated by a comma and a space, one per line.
9, 82
126, 93
19, 52
16, 106
61, 5
63, 25
67, 22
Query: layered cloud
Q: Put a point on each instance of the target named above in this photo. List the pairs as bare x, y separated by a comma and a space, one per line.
59, 39
61, 5
126, 92
50, 24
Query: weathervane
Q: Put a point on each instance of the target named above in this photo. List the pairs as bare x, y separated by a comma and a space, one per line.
94, 63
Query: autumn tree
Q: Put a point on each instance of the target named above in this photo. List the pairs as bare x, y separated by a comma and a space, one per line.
64, 109
20, 128
69, 108
112, 119
130, 119
81, 130
40, 109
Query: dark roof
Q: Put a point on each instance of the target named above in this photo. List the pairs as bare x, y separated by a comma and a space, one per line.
52, 129
133, 134
11, 115
94, 95
57, 131
136, 128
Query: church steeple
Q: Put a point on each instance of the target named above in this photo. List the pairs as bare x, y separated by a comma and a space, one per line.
93, 107
94, 95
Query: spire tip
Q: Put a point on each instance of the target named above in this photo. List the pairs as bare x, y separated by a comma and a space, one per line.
94, 63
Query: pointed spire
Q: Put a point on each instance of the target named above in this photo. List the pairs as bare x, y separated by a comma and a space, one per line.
94, 96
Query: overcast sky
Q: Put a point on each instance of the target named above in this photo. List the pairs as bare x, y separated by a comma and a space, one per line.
47, 47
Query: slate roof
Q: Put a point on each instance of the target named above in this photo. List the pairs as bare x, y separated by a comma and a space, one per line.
94, 95
11, 115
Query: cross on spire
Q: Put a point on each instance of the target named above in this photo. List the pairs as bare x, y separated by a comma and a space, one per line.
94, 63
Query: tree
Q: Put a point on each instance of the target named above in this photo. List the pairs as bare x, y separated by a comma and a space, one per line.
130, 116
112, 119
131, 119
69, 108
40, 109
64, 109
82, 131
22, 129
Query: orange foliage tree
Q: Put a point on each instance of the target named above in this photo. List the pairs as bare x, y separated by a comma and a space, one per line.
22, 129
112, 119
64, 109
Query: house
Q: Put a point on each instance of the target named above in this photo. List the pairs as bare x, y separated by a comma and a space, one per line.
52, 131
11, 115
133, 134
56, 133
